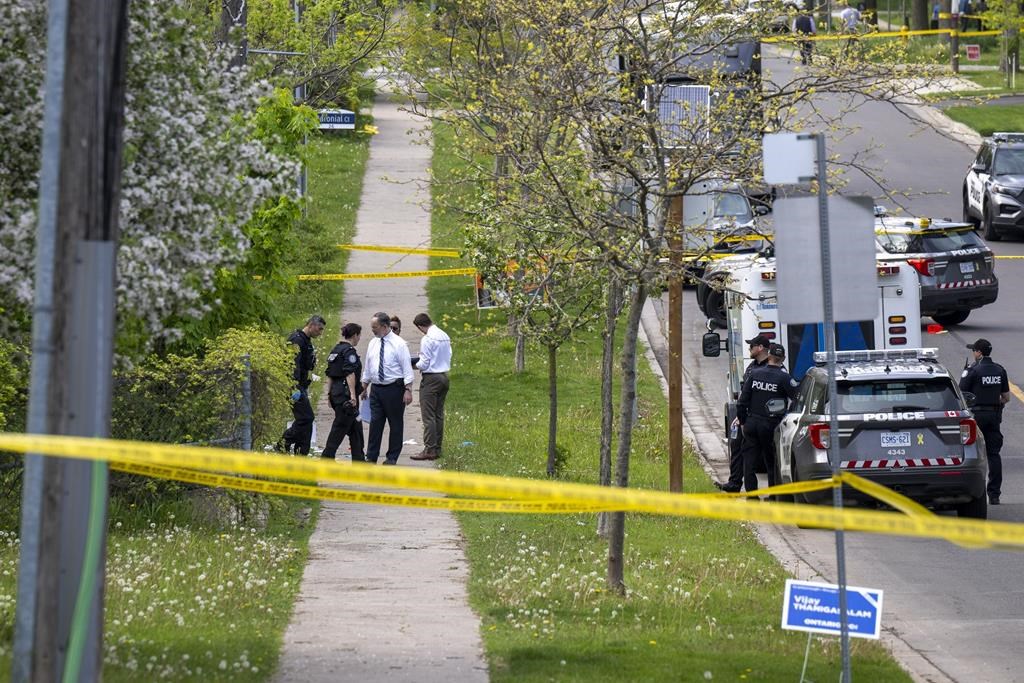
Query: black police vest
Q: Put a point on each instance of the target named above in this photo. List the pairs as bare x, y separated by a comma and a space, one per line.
986, 382
767, 382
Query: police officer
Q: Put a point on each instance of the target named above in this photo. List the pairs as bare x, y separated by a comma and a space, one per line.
343, 371
300, 433
759, 357
763, 384
988, 382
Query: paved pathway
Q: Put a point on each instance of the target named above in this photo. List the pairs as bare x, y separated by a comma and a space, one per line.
383, 597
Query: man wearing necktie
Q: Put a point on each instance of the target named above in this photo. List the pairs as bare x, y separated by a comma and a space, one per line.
388, 370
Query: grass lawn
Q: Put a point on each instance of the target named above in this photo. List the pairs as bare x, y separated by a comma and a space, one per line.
190, 596
704, 598
988, 118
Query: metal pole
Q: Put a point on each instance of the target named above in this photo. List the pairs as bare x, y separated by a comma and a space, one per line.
300, 96
247, 404
42, 341
833, 422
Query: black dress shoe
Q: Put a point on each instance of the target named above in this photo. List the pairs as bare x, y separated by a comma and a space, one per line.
727, 487
993, 500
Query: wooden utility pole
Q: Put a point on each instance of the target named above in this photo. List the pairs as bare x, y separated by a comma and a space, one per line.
58, 624
675, 347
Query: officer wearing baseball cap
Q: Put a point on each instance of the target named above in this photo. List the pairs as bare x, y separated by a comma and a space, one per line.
987, 380
759, 355
763, 384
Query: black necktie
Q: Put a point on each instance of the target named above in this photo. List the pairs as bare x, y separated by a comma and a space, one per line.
380, 365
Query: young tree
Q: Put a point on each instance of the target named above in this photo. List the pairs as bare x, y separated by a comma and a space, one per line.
611, 114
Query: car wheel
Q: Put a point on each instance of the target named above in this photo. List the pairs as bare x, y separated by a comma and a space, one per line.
702, 294
968, 218
988, 230
714, 307
975, 509
951, 318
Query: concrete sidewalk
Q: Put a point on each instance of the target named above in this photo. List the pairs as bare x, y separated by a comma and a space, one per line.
383, 596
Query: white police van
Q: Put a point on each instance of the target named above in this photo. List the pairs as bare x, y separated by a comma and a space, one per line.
751, 309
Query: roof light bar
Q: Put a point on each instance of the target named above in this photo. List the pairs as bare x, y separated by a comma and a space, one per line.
1008, 137
821, 357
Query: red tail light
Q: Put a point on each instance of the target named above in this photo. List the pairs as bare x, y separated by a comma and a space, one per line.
922, 265
819, 432
968, 431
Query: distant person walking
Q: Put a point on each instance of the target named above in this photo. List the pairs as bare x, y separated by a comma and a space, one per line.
387, 379
850, 19
987, 380
435, 360
344, 370
804, 25
300, 433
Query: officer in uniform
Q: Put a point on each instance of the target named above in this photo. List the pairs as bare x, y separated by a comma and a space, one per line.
300, 433
343, 371
988, 382
762, 385
759, 354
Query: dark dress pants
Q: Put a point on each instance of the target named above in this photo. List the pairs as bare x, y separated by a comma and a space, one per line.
301, 431
988, 422
345, 423
758, 446
386, 405
736, 460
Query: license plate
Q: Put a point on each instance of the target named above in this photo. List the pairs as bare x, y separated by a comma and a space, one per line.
895, 439
967, 266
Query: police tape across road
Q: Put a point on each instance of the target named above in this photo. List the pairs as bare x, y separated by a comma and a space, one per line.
970, 532
446, 272
877, 34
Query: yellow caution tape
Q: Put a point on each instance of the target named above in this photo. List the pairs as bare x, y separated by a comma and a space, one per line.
447, 272
1008, 256
878, 34
366, 497
964, 531
401, 250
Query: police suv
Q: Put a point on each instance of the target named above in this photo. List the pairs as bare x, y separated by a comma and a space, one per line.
993, 193
902, 423
955, 266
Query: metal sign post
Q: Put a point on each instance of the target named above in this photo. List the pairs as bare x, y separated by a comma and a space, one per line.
791, 158
833, 421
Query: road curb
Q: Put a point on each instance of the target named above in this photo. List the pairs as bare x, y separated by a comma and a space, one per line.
702, 433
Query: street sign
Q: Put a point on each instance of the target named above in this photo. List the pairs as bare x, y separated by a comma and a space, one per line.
814, 607
851, 230
973, 53
789, 158
337, 119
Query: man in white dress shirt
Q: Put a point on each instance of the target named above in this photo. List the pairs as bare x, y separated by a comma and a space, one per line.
387, 377
434, 363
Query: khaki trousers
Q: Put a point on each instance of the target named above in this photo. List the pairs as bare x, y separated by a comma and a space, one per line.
433, 391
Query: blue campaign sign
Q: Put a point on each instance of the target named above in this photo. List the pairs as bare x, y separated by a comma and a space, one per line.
337, 119
814, 607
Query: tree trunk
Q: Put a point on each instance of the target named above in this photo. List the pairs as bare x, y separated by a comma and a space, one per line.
552, 410
520, 350
920, 11
612, 310
234, 15
627, 415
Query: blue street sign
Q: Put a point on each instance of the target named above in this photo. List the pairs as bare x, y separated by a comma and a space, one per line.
337, 119
814, 607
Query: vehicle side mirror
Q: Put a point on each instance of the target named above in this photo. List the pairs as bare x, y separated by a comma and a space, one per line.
970, 399
762, 209
711, 345
978, 167
775, 407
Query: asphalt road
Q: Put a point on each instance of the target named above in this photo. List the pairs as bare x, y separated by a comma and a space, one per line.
962, 609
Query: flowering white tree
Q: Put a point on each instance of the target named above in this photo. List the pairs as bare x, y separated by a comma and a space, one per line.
195, 171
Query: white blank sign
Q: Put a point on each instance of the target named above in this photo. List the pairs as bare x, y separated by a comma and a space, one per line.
798, 259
